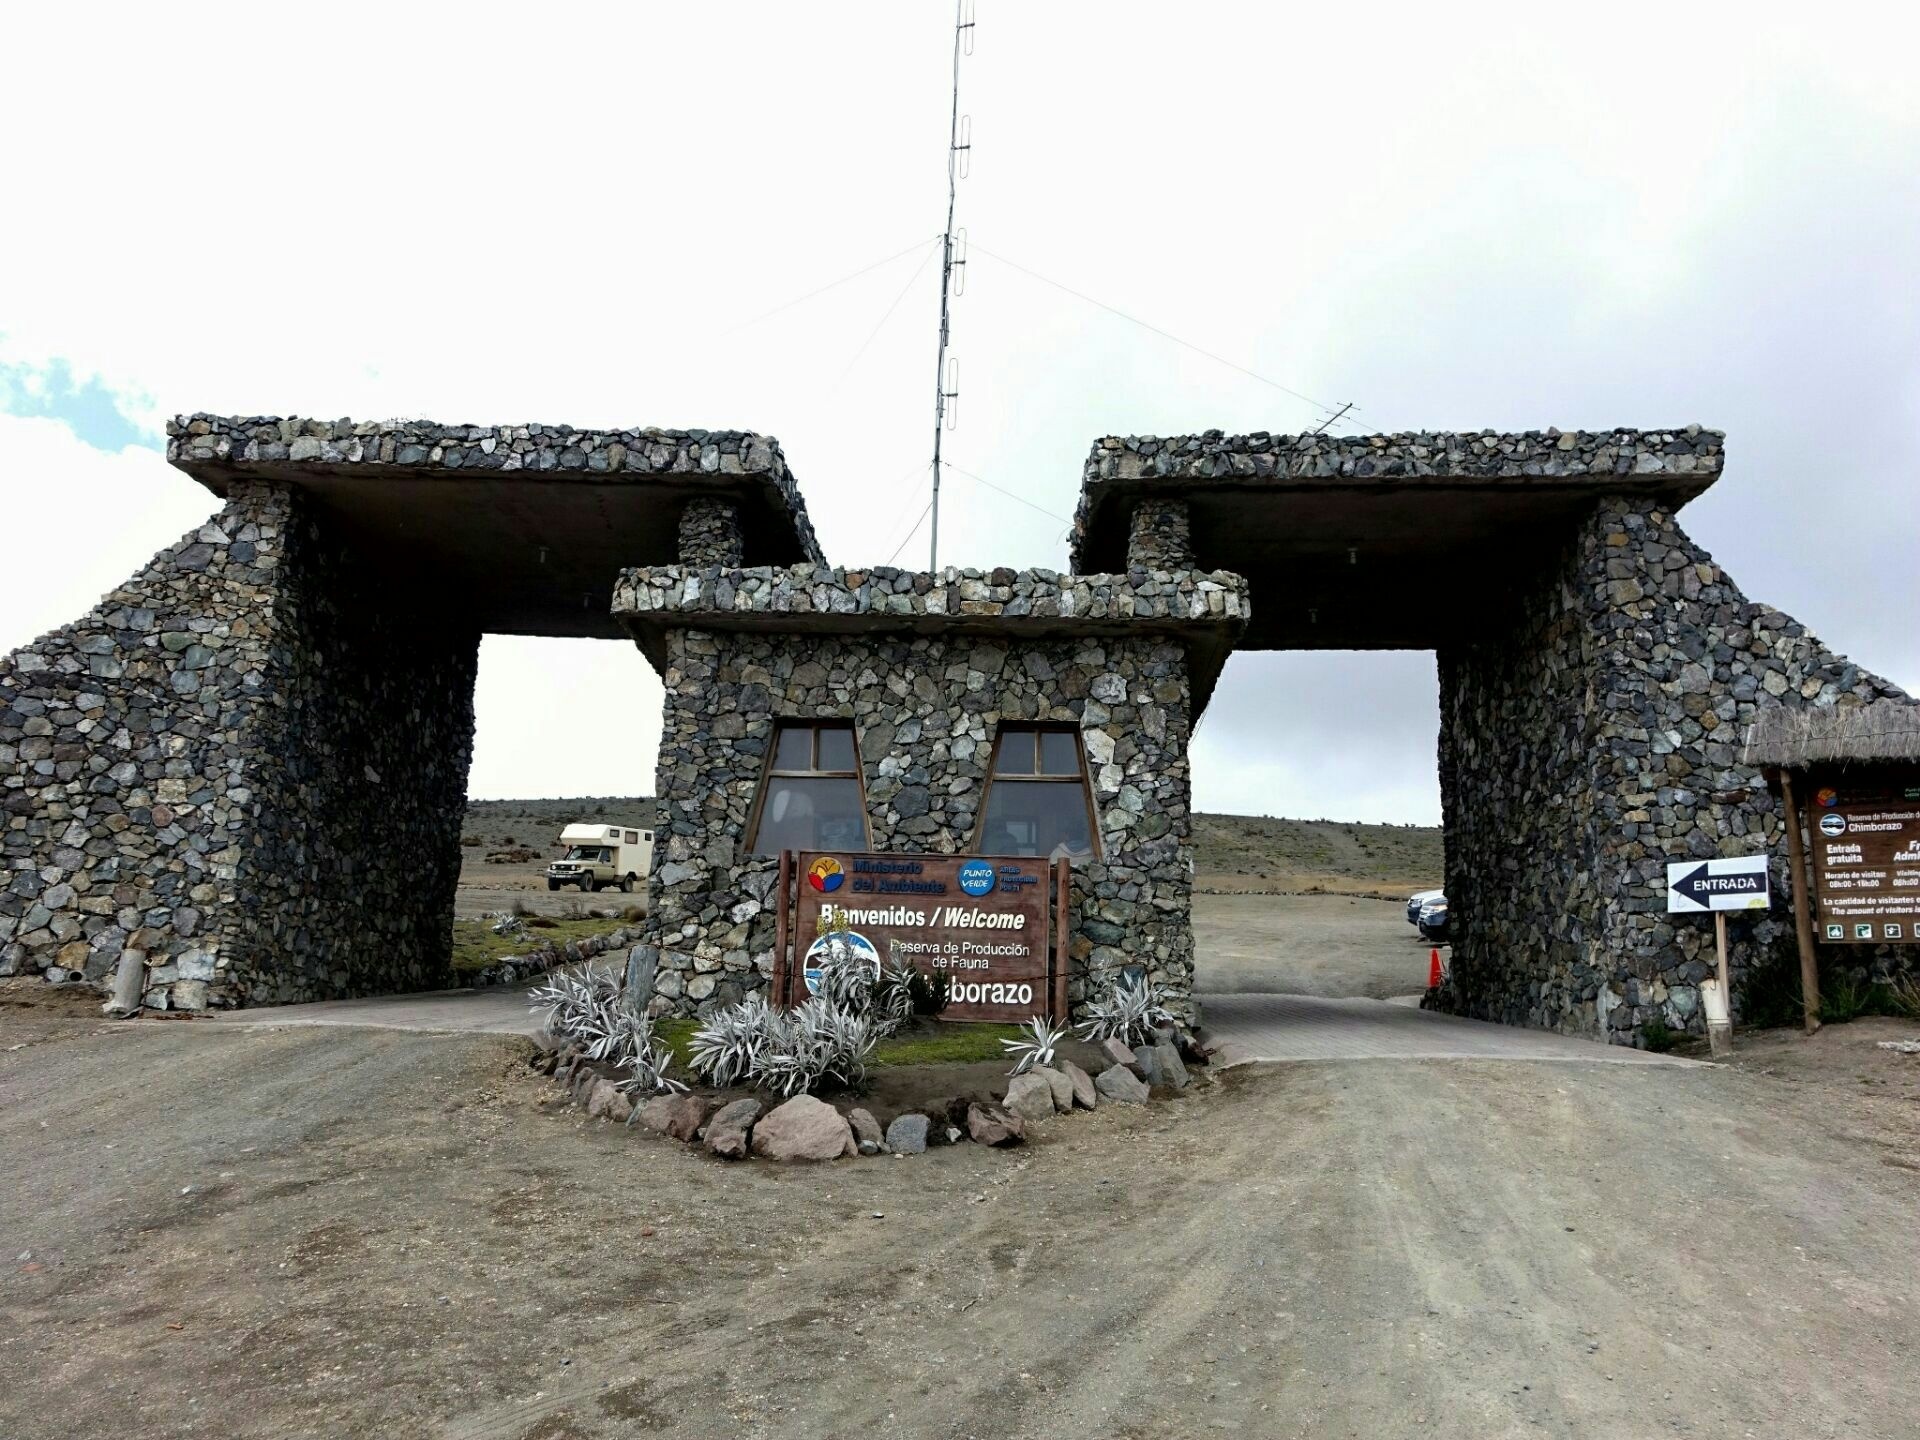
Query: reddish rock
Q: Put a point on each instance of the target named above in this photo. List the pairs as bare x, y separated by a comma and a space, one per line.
678, 1116
730, 1130
600, 1098
1079, 1082
803, 1129
991, 1124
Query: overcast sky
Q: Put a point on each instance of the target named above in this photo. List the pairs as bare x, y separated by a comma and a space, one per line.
1455, 217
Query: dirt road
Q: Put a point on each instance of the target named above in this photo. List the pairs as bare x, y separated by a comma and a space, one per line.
1306, 945
220, 1232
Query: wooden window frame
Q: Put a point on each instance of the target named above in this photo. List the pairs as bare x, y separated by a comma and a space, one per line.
768, 773
1083, 778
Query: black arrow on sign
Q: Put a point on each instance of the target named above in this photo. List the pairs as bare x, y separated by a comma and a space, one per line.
1696, 886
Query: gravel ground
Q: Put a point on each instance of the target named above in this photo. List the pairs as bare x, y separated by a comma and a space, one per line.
221, 1232
1327, 945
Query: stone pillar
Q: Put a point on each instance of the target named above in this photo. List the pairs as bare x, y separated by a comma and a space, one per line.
1588, 740
710, 532
1159, 536
242, 767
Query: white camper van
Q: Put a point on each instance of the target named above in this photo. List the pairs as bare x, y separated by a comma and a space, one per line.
601, 855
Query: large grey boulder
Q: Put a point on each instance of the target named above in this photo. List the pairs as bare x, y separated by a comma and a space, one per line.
907, 1135
803, 1129
990, 1124
1121, 1084
1079, 1083
730, 1129
1061, 1086
1119, 1054
1160, 1064
1030, 1097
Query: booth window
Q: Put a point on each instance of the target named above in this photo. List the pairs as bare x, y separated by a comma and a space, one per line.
1038, 799
811, 799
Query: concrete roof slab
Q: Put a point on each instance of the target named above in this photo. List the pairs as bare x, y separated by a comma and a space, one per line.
1381, 541
524, 527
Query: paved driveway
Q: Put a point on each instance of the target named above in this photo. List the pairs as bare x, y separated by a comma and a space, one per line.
1307, 1027
498, 1011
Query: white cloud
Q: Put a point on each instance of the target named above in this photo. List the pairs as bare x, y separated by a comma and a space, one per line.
75, 522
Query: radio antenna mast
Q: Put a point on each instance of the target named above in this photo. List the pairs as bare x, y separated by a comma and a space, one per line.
953, 265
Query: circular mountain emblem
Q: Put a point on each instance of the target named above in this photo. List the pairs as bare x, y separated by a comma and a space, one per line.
1833, 824
976, 877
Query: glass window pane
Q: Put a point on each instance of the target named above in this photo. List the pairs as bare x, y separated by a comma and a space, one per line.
1059, 754
1031, 817
794, 749
836, 748
811, 815
1016, 753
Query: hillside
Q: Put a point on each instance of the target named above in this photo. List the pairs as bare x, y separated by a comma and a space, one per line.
1255, 853
1235, 853
494, 826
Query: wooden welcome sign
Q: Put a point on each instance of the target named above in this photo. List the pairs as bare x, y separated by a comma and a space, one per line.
995, 926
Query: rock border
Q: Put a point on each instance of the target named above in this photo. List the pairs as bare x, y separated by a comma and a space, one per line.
807, 1129
514, 969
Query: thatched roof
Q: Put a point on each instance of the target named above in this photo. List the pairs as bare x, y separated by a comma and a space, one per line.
1793, 736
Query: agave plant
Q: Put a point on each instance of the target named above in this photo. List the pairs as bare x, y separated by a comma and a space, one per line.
574, 999
636, 1049
1129, 1012
893, 996
1036, 1044
847, 979
787, 1052
816, 1042
727, 1048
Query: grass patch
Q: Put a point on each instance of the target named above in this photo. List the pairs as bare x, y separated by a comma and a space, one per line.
934, 1043
475, 946
944, 1042
676, 1034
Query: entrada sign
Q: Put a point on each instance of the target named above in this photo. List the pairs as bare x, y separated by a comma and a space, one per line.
1695, 887
995, 926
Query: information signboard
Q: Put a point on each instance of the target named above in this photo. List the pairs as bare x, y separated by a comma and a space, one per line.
985, 922
1866, 867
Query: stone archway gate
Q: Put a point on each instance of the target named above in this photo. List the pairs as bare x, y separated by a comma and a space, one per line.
246, 766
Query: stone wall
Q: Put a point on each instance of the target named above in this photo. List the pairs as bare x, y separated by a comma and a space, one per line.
1160, 536
925, 709
1595, 738
237, 770
710, 532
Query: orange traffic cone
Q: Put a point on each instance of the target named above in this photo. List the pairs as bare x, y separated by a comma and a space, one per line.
1433, 969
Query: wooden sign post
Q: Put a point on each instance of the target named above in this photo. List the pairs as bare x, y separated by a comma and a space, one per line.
1696, 887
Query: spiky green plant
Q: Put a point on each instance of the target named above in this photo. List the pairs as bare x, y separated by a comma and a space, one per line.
1036, 1045
1128, 1012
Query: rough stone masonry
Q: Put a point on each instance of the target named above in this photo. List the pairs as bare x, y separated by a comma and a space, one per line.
926, 667
245, 768
242, 769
